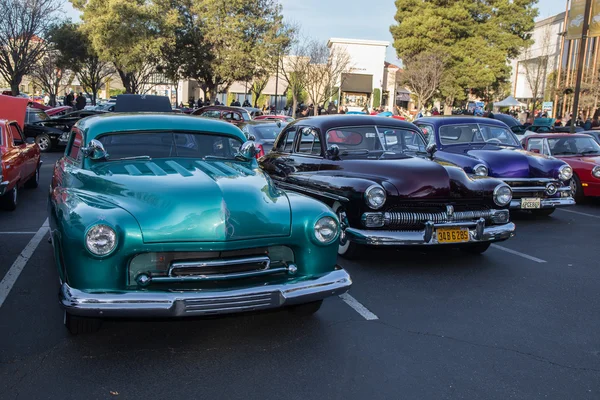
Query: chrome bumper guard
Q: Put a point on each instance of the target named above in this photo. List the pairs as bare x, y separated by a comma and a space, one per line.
201, 302
515, 204
478, 233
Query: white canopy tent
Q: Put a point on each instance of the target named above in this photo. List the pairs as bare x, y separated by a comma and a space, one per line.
509, 102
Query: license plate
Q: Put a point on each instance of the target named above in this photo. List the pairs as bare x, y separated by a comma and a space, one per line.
528, 204
452, 235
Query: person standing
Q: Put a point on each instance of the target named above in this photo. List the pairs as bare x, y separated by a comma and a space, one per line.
80, 102
69, 98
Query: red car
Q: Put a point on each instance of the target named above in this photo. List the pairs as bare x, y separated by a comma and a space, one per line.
20, 165
58, 111
235, 115
580, 151
282, 118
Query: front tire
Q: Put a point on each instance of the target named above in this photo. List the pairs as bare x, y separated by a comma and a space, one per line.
79, 325
44, 141
476, 248
576, 189
306, 310
346, 248
10, 199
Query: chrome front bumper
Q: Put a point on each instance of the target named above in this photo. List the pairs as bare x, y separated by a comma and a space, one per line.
515, 204
478, 234
145, 303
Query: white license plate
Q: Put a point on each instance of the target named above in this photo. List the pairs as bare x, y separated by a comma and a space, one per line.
530, 204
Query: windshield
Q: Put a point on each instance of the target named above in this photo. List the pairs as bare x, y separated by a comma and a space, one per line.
565, 146
266, 131
477, 133
37, 115
168, 145
246, 116
375, 139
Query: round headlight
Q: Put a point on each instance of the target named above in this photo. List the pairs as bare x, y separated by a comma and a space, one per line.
596, 171
565, 173
100, 240
480, 170
326, 230
502, 195
375, 196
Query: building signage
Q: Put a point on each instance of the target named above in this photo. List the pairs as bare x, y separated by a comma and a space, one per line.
547, 107
576, 17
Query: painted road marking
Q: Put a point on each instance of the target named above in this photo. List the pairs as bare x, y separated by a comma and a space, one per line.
17, 233
359, 308
517, 253
580, 213
15, 270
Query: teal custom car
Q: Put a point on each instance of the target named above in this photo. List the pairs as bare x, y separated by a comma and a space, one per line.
166, 215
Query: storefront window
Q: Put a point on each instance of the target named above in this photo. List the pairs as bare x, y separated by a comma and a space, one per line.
356, 99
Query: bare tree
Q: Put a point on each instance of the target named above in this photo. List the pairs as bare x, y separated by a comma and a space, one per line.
422, 74
535, 64
48, 74
22, 36
293, 68
259, 84
324, 71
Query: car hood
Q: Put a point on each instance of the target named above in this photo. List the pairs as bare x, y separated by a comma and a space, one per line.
581, 161
506, 163
412, 177
192, 200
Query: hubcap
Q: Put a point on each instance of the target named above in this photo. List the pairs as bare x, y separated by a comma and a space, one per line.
44, 143
573, 187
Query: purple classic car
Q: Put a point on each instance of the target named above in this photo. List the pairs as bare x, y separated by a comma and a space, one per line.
487, 147
374, 174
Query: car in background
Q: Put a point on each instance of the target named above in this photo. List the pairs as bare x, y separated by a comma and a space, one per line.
20, 164
546, 125
234, 115
58, 111
593, 133
372, 172
263, 132
514, 124
163, 215
45, 131
580, 151
487, 147
282, 118
108, 106
254, 112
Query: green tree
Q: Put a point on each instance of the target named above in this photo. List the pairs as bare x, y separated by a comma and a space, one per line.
476, 37
75, 52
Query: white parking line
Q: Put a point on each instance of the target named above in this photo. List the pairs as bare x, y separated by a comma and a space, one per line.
580, 213
13, 273
517, 253
359, 308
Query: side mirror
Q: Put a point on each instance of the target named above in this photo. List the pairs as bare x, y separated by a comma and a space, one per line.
333, 151
431, 149
30, 140
95, 150
248, 150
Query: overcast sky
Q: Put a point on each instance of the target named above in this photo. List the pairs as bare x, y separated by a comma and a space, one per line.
353, 19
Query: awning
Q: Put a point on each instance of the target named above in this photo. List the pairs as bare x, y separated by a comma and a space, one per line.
357, 83
509, 102
402, 95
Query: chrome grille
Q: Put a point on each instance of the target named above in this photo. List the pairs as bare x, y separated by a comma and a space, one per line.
228, 304
411, 218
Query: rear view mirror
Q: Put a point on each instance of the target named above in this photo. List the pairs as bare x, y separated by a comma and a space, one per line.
95, 150
248, 150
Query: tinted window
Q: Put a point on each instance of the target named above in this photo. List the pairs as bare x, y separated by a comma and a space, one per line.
310, 143
476, 133
36, 115
537, 146
15, 132
372, 139
169, 144
427, 132
211, 114
232, 116
286, 141
266, 131
573, 146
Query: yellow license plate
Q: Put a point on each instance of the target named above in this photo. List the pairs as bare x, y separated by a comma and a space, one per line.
530, 203
452, 235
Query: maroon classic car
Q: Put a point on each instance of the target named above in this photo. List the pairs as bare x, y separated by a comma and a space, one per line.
20, 165
375, 175
235, 115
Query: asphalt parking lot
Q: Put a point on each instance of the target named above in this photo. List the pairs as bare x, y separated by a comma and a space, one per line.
521, 321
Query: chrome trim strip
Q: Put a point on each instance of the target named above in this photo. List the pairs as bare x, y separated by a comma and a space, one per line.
494, 233
411, 218
216, 277
545, 203
541, 180
296, 188
147, 303
264, 260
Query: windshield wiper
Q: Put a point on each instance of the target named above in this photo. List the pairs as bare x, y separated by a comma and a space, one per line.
136, 158
583, 153
564, 153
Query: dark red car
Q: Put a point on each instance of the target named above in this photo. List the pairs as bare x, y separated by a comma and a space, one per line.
235, 115
20, 165
58, 111
580, 151
282, 118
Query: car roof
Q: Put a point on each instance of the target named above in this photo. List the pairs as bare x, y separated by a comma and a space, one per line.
442, 120
556, 135
326, 122
223, 108
264, 122
96, 125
